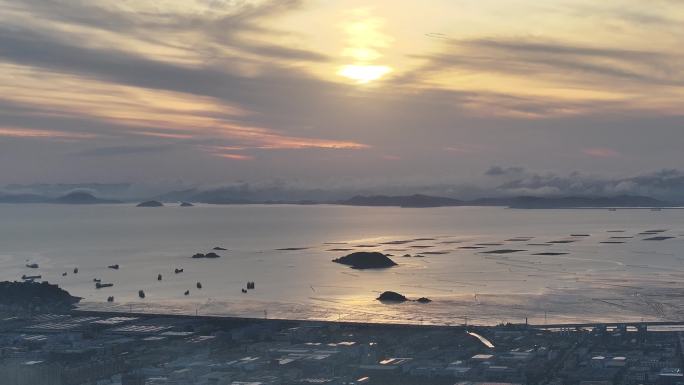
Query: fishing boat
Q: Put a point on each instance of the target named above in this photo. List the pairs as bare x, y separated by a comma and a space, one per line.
31, 277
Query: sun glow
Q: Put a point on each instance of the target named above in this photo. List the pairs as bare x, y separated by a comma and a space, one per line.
363, 74
364, 42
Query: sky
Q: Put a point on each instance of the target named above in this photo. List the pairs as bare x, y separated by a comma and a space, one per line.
330, 93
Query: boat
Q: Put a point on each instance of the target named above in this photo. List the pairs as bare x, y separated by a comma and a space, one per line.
110, 298
75, 270
178, 271
187, 292
32, 265
244, 290
64, 274
141, 294
159, 277
199, 285
250, 285
97, 280
115, 267
31, 277
99, 285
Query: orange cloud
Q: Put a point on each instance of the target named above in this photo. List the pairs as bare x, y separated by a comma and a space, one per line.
48, 134
234, 156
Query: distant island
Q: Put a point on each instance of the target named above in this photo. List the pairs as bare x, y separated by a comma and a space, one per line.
82, 198
150, 204
187, 198
366, 260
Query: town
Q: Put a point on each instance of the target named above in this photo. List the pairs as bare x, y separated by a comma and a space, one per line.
89, 348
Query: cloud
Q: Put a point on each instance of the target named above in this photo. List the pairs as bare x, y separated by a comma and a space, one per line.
16, 132
234, 156
665, 184
601, 152
124, 150
170, 81
198, 27
501, 171
560, 61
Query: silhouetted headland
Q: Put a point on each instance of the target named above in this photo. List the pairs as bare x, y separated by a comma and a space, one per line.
42, 295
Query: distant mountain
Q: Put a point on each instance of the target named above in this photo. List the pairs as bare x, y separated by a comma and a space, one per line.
522, 202
416, 200
59, 189
82, 198
76, 197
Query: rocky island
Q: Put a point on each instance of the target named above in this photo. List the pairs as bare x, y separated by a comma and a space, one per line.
150, 204
394, 297
186, 204
391, 296
366, 260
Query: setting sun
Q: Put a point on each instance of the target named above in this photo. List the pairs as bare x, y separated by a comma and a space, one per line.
363, 74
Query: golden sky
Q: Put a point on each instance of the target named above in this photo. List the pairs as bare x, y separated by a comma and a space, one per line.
286, 82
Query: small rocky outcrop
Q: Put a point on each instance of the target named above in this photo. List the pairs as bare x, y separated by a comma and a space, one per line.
366, 260
424, 300
150, 204
391, 296
186, 204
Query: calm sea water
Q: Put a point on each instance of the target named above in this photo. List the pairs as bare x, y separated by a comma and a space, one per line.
634, 279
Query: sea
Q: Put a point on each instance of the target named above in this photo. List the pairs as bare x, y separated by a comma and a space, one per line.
478, 265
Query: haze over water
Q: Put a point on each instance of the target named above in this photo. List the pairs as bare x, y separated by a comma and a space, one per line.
637, 279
